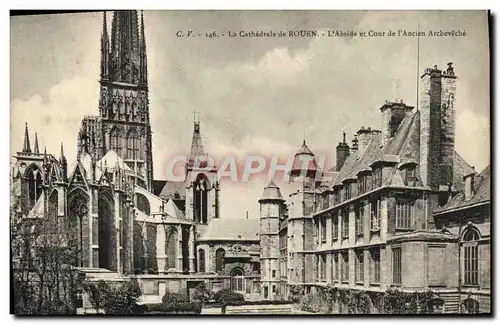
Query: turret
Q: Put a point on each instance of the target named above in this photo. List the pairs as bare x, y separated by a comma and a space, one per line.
271, 208
63, 164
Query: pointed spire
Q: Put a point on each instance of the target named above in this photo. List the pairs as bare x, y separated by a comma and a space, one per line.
62, 149
104, 48
143, 74
125, 47
35, 149
26, 146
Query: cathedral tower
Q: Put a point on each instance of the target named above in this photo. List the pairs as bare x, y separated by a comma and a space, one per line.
124, 95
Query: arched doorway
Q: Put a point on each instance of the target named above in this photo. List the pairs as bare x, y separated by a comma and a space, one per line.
237, 280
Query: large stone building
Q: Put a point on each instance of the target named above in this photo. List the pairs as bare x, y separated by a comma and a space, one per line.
401, 209
124, 223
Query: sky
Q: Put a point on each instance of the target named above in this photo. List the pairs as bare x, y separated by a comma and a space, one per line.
253, 95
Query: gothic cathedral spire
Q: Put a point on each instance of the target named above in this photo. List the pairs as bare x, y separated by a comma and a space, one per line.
125, 63
26, 146
124, 124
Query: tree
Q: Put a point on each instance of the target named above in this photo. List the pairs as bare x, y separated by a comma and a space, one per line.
44, 279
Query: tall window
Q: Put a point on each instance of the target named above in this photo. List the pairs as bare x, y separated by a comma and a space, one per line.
133, 146
404, 213
375, 254
335, 263
410, 177
360, 270
143, 204
219, 259
114, 141
345, 267
34, 179
323, 267
360, 218
471, 257
172, 245
375, 214
396, 266
335, 226
377, 177
345, 223
201, 260
200, 206
237, 280
323, 230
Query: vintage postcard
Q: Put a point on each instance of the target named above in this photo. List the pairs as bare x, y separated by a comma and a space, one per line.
250, 162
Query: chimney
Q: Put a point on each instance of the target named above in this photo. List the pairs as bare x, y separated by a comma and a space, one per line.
393, 114
342, 152
354, 146
364, 136
469, 186
437, 126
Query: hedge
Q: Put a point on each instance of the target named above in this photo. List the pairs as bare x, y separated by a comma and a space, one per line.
172, 308
228, 297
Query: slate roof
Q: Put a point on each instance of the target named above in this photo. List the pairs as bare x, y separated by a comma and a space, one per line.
232, 230
405, 144
272, 191
482, 193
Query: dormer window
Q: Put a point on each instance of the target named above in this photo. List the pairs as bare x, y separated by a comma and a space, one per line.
347, 191
336, 197
410, 178
377, 177
363, 183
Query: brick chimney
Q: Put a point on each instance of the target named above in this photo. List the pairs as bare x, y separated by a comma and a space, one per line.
437, 126
341, 152
393, 114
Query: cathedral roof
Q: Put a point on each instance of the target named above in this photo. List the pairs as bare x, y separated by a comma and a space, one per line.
220, 229
169, 189
172, 210
110, 160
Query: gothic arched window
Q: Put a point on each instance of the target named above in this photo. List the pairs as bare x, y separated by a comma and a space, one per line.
133, 146
172, 249
471, 257
78, 223
219, 259
201, 260
114, 141
34, 179
143, 204
200, 195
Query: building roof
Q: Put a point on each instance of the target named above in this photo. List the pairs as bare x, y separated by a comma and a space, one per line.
302, 155
404, 147
271, 192
172, 210
482, 193
220, 229
169, 189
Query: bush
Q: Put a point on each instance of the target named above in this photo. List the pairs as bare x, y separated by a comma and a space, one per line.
228, 297
175, 298
202, 294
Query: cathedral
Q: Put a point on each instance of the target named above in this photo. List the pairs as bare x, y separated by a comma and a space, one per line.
123, 221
